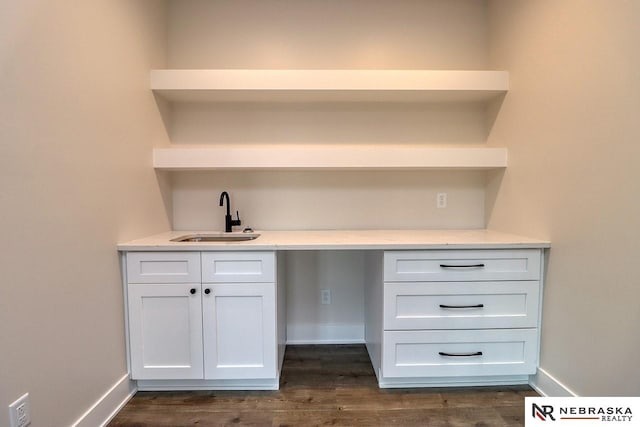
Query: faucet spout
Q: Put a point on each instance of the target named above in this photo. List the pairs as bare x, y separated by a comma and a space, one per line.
229, 222
222, 197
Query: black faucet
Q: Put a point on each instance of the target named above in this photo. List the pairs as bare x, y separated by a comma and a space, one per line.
228, 221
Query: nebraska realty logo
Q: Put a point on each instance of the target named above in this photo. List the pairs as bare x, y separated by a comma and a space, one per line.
582, 411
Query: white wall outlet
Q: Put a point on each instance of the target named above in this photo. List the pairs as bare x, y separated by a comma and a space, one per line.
325, 296
20, 412
441, 200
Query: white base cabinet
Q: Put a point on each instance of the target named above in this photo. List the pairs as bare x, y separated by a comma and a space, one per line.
454, 317
216, 320
210, 334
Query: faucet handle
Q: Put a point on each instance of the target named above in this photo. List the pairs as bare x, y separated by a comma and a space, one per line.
236, 221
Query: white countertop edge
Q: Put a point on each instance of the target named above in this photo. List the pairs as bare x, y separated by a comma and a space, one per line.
219, 247
344, 240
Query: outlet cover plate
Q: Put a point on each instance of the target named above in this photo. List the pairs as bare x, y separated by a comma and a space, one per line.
20, 412
325, 296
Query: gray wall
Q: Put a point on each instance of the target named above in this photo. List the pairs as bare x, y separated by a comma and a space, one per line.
77, 124
571, 124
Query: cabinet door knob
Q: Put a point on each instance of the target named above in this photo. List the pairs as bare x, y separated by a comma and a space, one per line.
193, 291
207, 291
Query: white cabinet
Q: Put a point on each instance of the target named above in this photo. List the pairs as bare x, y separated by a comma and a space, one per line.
216, 324
165, 331
239, 312
452, 317
165, 315
240, 331
215, 320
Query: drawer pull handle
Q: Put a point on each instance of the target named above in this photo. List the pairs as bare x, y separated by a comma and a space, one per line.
192, 291
477, 353
207, 291
462, 266
462, 306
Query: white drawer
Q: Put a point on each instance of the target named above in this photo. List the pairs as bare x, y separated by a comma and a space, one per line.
461, 265
461, 305
459, 353
163, 267
238, 267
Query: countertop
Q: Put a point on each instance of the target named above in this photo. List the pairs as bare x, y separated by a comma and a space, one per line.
343, 240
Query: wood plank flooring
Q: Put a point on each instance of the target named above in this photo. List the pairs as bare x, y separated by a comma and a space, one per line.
324, 385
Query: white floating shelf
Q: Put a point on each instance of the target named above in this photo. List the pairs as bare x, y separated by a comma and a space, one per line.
328, 157
329, 85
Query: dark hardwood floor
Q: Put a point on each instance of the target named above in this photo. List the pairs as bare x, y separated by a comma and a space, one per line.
329, 385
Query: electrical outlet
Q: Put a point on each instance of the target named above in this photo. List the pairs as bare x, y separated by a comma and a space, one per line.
441, 200
20, 412
325, 296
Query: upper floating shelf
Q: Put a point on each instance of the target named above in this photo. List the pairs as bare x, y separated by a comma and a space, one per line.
329, 85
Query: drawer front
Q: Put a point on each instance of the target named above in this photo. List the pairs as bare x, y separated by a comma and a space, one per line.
163, 267
461, 265
459, 353
238, 267
461, 305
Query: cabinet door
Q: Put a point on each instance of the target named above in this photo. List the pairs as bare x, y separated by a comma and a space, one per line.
165, 331
239, 331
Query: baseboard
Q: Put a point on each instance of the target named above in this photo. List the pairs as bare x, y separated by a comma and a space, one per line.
252, 384
105, 408
335, 333
546, 385
453, 381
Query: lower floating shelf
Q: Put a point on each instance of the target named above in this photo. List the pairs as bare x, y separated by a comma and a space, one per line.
298, 157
